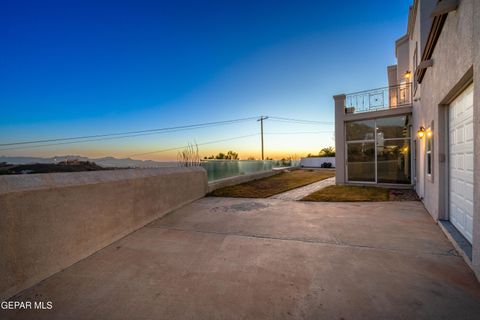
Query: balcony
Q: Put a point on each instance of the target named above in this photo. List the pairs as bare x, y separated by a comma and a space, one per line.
379, 99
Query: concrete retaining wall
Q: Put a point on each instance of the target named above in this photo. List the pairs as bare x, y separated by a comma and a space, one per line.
50, 221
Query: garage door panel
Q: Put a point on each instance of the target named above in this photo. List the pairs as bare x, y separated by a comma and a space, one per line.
469, 163
460, 135
461, 162
468, 192
469, 132
469, 226
468, 175
457, 217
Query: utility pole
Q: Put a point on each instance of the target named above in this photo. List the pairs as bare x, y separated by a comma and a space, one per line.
261, 131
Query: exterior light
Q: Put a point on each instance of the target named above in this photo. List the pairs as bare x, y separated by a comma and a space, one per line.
429, 133
421, 133
407, 75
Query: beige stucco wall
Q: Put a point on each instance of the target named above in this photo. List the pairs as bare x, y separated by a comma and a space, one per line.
476, 121
456, 53
453, 57
392, 75
415, 45
339, 100
402, 51
50, 221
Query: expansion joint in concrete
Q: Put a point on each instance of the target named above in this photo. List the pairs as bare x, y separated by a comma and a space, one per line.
333, 242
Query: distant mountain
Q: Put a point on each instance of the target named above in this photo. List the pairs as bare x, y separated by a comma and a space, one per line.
104, 162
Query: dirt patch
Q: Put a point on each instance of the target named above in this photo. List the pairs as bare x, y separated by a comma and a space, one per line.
403, 195
347, 193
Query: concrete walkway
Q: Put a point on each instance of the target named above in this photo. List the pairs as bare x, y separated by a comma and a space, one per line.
300, 193
223, 258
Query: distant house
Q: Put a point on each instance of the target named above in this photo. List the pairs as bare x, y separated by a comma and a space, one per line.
423, 130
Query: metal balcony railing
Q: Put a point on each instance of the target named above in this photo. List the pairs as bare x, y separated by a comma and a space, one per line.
379, 99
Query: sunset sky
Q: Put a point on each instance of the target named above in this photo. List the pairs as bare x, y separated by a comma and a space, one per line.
75, 68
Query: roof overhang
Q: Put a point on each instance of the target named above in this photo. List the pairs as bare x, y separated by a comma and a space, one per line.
433, 35
444, 7
439, 15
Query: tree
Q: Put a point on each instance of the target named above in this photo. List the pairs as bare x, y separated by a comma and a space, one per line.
327, 152
220, 155
230, 155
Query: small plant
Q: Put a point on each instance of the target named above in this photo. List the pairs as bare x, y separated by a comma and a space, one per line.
326, 165
189, 156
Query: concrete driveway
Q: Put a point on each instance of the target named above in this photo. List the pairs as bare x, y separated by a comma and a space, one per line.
221, 258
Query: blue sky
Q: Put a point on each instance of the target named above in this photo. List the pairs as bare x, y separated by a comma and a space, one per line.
87, 67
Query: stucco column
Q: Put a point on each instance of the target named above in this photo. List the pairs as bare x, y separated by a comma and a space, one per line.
340, 138
476, 143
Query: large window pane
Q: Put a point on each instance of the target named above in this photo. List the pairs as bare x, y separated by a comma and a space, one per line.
361, 161
395, 127
360, 130
393, 161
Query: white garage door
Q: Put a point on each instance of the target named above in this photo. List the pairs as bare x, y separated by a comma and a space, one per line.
461, 162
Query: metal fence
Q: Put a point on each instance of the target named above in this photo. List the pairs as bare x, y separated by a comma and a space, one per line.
379, 99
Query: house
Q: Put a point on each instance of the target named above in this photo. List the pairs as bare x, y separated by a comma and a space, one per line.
423, 130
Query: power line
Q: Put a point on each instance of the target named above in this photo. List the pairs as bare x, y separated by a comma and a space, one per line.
83, 141
130, 134
301, 132
126, 134
198, 144
283, 119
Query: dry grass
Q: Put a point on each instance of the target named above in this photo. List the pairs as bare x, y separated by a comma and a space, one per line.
267, 187
340, 193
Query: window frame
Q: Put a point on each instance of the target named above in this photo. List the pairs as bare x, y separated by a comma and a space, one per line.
375, 141
429, 157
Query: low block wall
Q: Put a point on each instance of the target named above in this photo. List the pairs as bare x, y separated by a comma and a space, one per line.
316, 162
231, 181
50, 221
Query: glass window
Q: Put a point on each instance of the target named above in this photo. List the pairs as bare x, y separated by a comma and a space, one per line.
361, 161
395, 127
393, 161
429, 155
360, 130
378, 150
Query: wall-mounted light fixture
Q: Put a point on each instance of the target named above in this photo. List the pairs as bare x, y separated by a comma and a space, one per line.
407, 75
421, 133
429, 133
